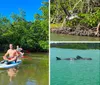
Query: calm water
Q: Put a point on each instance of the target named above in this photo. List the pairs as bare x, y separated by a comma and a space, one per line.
33, 71
80, 72
62, 37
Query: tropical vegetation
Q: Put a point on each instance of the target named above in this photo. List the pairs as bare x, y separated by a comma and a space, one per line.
30, 35
88, 12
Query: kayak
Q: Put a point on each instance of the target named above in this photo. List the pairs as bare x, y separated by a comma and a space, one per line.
13, 64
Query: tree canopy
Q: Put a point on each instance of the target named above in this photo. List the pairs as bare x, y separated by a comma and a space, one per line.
30, 35
88, 12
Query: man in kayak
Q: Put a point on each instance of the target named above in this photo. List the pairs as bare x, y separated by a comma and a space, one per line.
12, 54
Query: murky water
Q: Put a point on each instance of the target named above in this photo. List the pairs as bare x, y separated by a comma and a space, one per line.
32, 71
62, 37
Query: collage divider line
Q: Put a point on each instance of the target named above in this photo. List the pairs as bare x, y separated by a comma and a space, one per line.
49, 42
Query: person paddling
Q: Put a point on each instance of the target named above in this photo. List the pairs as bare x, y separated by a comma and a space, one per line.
18, 48
19, 51
12, 54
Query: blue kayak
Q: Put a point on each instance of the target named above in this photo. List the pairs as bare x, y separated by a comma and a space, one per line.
13, 64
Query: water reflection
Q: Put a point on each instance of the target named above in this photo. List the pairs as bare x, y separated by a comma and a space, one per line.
30, 72
31, 82
12, 72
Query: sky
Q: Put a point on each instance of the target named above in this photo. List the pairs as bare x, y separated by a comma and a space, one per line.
31, 7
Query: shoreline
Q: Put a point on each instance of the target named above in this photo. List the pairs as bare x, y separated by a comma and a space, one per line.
76, 45
76, 48
76, 31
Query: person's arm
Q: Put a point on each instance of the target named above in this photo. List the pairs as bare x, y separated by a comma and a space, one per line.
21, 48
5, 56
17, 53
15, 57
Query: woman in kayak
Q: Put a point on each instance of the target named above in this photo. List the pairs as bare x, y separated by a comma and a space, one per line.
19, 51
12, 54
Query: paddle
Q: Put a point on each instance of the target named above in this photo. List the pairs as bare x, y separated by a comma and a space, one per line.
27, 51
2, 61
27, 57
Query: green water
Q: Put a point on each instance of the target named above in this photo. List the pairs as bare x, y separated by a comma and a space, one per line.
62, 37
79, 72
33, 71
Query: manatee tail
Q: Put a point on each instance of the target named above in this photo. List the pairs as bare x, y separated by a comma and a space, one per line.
57, 58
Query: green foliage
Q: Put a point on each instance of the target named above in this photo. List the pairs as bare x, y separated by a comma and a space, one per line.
37, 16
72, 23
45, 10
87, 10
44, 44
90, 19
29, 35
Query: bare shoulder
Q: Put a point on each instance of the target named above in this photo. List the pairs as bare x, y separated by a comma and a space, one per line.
15, 50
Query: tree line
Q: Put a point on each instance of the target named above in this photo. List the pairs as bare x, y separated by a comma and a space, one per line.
76, 45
